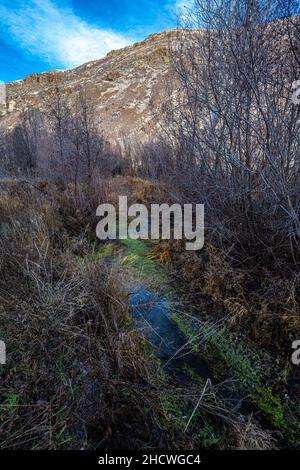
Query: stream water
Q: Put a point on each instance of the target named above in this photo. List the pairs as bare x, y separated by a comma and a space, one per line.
153, 316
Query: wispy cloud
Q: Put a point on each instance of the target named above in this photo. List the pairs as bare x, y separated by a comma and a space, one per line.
55, 33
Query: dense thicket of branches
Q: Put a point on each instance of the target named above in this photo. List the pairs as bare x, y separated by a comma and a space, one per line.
234, 138
231, 136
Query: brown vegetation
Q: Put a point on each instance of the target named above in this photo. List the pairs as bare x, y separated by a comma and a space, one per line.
75, 363
230, 140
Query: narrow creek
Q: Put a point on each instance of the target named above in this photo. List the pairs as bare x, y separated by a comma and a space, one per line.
181, 365
156, 312
193, 353
152, 312
153, 316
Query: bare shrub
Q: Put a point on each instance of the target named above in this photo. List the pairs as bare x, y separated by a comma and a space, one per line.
235, 131
62, 142
230, 140
72, 349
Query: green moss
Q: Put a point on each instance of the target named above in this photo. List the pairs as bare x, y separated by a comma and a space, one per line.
209, 435
285, 416
187, 328
137, 255
135, 247
176, 411
204, 434
271, 405
233, 359
105, 250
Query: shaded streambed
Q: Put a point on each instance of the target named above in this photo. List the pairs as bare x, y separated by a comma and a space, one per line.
153, 311
153, 316
185, 344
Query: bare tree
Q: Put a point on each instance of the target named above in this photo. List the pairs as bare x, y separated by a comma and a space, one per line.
57, 110
235, 130
23, 142
87, 144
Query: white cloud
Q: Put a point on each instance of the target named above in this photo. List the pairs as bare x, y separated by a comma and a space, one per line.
57, 34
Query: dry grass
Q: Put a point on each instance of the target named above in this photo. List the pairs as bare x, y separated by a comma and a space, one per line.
257, 300
248, 435
79, 375
75, 363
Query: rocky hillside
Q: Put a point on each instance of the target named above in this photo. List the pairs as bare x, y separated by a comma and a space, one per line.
127, 87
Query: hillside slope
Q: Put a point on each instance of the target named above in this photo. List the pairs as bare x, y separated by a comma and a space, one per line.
126, 86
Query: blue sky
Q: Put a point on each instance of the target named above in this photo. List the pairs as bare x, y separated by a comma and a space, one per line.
37, 35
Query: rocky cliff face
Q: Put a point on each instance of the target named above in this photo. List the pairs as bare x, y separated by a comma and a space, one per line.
127, 87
